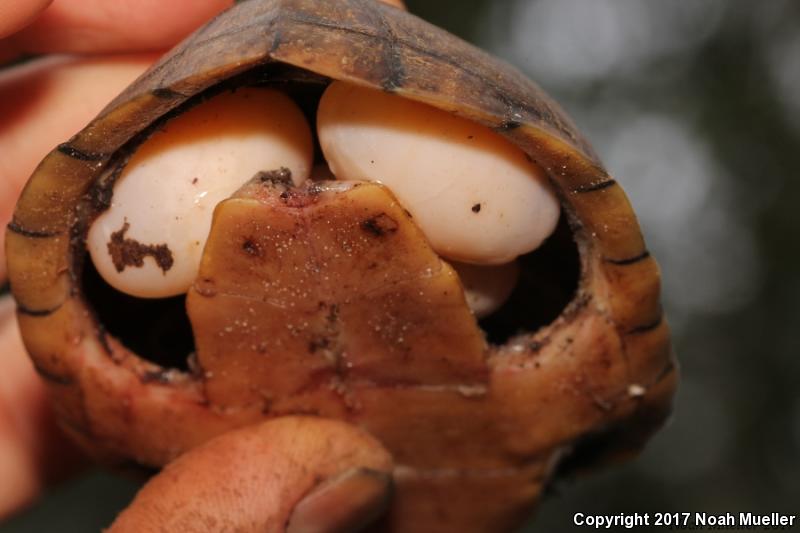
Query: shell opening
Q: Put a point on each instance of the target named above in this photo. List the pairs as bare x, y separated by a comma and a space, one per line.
156, 327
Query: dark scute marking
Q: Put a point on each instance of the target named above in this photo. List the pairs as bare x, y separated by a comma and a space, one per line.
129, 252
21, 309
15, 227
74, 153
310, 20
199, 40
629, 260
277, 39
396, 72
167, 93
395, 76
650, 326
51, 376
251, 247
476, 208
596, 186
392, 61
318, 343
379, 225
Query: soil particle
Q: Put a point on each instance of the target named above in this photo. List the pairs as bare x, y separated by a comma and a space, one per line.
379, 225
131, 253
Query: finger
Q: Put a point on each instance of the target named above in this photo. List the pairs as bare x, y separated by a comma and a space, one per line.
33, 452
43, 104
310, 473
16, 14
111, 26
21, 399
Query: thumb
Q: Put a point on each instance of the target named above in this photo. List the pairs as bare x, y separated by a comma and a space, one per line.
291, 474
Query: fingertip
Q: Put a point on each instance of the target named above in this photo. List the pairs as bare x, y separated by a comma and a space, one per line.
21, 402
100, 26
34, 453
16, 14
347, 502
252, 479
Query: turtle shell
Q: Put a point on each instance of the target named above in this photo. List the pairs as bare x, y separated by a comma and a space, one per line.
599, 378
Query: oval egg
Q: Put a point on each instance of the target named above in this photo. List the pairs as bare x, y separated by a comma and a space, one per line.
475, 195
150, 240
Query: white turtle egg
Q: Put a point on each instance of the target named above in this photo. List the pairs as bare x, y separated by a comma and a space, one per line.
487, 287
475, 195
150, 240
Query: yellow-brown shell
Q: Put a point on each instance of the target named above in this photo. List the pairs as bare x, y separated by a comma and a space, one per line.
604, 367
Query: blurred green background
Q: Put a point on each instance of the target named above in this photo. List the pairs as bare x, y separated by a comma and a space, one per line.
694, 105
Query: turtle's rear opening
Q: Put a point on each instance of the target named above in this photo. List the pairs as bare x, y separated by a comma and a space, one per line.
155, 329
158, 329
547, 284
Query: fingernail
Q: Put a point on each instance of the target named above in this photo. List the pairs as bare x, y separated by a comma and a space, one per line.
345, 503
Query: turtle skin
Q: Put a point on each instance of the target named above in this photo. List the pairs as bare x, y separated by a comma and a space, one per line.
475, 435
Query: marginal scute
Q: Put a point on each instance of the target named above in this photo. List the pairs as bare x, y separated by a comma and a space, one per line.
42, 282
47, 203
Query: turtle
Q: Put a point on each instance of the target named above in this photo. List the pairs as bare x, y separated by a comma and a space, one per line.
475, 419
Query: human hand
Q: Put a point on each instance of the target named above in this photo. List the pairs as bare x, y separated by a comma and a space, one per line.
91, 50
